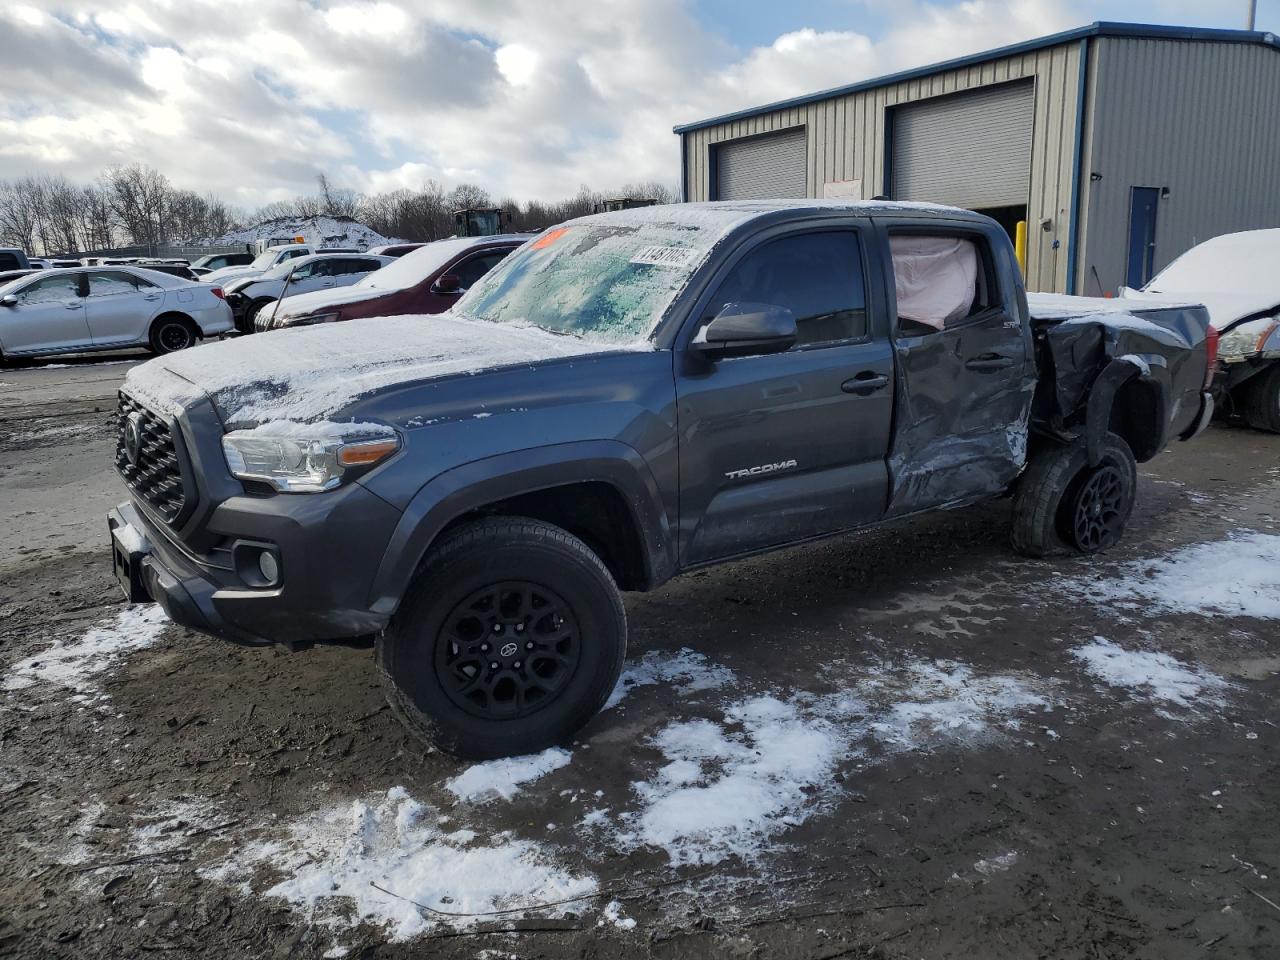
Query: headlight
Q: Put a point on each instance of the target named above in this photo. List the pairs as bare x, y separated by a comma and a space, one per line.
1249, 339
307, 458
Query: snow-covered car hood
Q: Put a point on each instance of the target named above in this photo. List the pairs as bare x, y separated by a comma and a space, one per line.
305, 304
307, 374
229, 273
1235, 275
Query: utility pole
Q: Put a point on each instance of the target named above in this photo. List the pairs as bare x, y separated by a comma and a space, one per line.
1253, 13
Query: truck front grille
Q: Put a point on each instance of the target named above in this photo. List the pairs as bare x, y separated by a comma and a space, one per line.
147, 459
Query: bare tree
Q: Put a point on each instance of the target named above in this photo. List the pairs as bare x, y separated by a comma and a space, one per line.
140, 197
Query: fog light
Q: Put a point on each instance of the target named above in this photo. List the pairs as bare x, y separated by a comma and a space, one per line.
269, 567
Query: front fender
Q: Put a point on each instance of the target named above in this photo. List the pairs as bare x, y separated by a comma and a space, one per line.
474, 485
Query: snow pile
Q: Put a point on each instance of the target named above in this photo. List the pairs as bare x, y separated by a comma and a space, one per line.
317, 231
1151, 675
1238, 577
74, 663
688, 671
729, 788
332, 861
502, 778
946, 701
725, 792
309, 373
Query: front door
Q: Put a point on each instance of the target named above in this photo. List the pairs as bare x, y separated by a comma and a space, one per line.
48, 314
782, 447
120, 306
1144, 204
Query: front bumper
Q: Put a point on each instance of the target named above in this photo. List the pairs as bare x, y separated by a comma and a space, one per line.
327, 557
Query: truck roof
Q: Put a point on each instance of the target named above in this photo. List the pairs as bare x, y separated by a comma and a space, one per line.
724, 214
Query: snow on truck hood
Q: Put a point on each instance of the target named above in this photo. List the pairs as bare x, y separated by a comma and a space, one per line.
307, 374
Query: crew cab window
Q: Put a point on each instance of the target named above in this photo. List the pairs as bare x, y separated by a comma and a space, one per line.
469, 271
53, 289
817, 276
290, 254
104, 283
940, 281
9, 261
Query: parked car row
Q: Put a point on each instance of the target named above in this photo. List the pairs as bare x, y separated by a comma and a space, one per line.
250, 293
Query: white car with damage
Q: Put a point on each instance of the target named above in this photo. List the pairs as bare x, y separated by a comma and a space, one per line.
1237, 277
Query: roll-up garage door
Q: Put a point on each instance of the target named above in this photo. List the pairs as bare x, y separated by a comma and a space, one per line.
762, 168
969, 150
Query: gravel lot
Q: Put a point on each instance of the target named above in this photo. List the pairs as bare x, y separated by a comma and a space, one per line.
907, 744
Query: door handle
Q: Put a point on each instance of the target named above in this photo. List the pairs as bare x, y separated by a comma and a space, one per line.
989, 361
151, 296
74, 306
865, 383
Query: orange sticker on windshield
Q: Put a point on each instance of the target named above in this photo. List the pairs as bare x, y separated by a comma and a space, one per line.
547, 239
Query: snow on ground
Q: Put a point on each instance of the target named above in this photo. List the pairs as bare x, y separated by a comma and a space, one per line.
946, 701
76, 662
331, 862
687, 670
503, 778
989, 865
319, 231
1237, 577
730, 787
1151, 675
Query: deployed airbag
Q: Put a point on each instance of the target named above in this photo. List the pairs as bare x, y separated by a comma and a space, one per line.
935, 277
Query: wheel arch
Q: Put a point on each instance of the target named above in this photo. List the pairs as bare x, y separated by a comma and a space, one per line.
1130, 400
600, 491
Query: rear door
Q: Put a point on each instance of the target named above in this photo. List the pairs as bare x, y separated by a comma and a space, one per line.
778, 448
48, 314
121, 306
965, 382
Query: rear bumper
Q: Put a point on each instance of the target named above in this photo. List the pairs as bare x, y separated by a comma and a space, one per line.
1202, 419
324, 586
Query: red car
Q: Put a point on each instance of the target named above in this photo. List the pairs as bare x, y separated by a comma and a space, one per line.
427, 280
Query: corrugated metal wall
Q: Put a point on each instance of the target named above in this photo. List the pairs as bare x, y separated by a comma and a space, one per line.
1200, 118
846, 141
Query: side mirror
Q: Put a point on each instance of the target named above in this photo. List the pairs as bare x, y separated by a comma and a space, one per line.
746, 330
447, 283
8, 300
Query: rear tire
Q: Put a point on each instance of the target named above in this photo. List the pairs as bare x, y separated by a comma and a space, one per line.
1262, 400
509, 640
172, 333
1063, 504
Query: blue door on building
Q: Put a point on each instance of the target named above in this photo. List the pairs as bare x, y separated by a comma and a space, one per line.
1143, 204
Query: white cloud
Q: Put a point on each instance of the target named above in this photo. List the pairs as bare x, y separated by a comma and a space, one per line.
250, 99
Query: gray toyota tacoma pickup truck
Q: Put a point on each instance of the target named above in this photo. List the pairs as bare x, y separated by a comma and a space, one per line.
630, 396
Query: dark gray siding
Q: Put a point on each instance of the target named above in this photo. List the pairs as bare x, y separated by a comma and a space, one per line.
1201, 118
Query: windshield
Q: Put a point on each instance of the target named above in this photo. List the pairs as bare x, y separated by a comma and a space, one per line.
282, 270
606, 280
264, 260
415, 266
9, 286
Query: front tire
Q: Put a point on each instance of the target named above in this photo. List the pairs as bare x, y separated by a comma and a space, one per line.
1262, 400
1063, 504
509, 640
173, 333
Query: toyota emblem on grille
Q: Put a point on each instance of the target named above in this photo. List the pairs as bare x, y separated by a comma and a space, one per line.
133, 437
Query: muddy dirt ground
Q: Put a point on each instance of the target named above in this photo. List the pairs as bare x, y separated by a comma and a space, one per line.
986, 789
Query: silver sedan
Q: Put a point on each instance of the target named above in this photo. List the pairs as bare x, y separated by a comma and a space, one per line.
107, 308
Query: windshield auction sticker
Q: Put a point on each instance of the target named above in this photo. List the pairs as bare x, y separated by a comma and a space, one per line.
659, 256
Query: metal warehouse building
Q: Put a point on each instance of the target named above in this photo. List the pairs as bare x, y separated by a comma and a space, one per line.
1121, 145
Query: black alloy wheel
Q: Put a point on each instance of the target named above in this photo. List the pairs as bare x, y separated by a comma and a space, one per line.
506, 650
1098, 509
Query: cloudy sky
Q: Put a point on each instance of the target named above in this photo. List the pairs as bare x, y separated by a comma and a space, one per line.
250, 98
